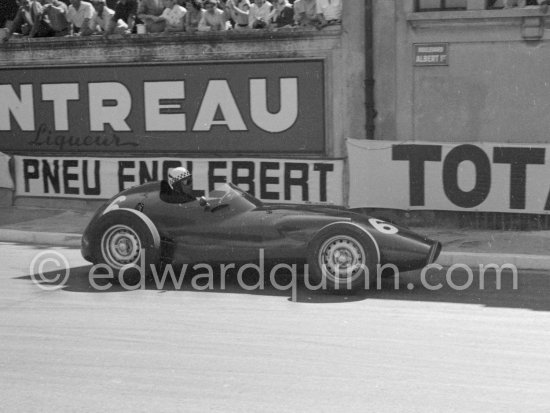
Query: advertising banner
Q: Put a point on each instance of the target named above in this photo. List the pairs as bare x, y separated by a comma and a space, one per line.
490, 177
226, 107
5, 175
272, 180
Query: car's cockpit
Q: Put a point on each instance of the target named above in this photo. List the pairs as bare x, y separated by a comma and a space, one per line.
170, 196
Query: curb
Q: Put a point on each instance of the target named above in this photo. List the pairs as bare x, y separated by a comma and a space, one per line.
475, 259
50, 238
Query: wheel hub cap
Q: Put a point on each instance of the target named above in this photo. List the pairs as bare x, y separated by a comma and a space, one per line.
341, 257
120, 245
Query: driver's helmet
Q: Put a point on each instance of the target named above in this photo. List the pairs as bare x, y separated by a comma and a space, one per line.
178, 175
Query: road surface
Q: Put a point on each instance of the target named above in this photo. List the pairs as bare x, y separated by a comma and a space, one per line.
74, 348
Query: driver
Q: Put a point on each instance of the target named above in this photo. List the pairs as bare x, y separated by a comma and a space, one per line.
179, 180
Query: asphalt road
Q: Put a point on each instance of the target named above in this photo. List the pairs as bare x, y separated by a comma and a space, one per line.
73, 348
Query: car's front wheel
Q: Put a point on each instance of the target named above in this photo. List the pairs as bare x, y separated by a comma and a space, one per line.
343, 257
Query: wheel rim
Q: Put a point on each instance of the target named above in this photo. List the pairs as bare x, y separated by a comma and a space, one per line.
120, 246
342, 258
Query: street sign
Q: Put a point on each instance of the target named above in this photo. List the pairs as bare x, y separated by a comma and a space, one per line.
431, 54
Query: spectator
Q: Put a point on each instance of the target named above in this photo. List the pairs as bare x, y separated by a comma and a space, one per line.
56, 11
259, 14
213, 19
29, 21
79, 15
101, 20
148, 13
282, 14
126, 11
329, 12
224, 6
239, 13
305, 13
41, 26
8, 10
193, 15
174, 16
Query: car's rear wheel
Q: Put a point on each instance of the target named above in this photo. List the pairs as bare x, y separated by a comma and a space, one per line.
343, 257
120, 246
127, 242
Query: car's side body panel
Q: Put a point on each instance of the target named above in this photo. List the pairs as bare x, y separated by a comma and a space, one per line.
235, 227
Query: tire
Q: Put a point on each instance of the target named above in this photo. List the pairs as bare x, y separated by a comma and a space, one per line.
126, 237
343, 257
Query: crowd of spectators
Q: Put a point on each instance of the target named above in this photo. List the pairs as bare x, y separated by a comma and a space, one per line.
508, 4
49, 18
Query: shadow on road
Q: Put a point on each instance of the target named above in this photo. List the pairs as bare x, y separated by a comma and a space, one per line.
528, 290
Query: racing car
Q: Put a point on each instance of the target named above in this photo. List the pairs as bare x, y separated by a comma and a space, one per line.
340, 246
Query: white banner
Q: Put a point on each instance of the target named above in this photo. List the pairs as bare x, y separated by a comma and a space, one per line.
272, 180
491, 177
5, 176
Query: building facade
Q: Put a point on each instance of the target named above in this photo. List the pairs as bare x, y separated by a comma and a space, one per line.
408, 105
494, 87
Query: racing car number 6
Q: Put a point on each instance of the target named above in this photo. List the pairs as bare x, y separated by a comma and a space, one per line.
383, 226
